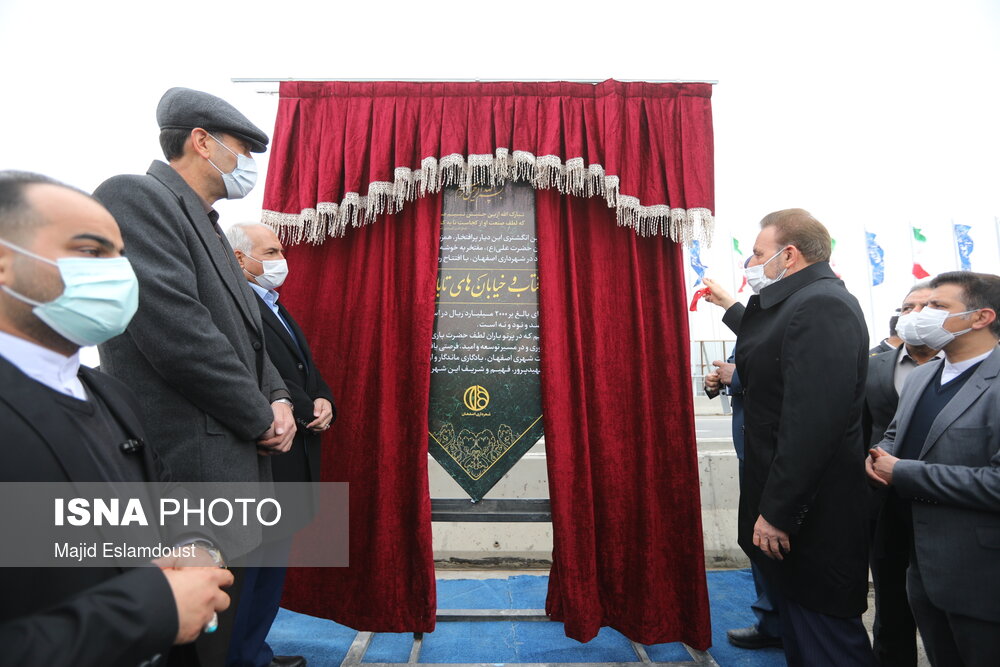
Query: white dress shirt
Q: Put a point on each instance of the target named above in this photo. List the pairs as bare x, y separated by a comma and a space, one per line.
952, 371
43, 365
905, 364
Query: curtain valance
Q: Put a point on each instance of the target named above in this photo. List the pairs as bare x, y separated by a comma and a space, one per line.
345, 152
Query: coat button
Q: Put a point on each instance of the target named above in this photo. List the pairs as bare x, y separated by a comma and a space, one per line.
257, 345
301, 367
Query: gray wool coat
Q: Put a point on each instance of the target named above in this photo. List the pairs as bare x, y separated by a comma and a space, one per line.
194, 353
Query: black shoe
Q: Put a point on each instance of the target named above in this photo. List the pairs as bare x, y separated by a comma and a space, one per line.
752, 638
288, 661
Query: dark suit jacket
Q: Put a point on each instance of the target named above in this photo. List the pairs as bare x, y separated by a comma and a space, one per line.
731, 319
882, 347
803, 358
889, 534
954, 486
74, 616
880, 395
305, 384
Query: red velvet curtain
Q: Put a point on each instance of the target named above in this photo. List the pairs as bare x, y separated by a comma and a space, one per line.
616, 396
343, 152
619, 429
367, 308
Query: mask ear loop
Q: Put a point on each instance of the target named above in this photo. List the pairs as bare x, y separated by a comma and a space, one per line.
966, 314
24, 251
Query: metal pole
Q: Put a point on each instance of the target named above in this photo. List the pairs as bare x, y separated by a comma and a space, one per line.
954, 246
871, 280
996, 228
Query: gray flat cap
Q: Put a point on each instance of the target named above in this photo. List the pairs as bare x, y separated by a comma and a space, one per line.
186, 109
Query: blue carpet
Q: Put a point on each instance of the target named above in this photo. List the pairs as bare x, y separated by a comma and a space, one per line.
325, 643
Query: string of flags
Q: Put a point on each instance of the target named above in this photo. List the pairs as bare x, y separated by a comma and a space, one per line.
921, 262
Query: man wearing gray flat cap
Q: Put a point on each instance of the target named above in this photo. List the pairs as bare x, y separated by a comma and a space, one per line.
194, 354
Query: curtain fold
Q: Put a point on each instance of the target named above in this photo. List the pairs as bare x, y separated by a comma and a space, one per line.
367, 308
615, 370
619, 429
345, 152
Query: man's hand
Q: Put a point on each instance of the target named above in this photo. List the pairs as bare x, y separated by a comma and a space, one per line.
879, 466
323, 412
712, 385
724, 371
279, 437
870, 469
200, 557
197, 596
772, 541
717, 295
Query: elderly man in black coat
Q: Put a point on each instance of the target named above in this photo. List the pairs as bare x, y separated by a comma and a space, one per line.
803, 360
261, 258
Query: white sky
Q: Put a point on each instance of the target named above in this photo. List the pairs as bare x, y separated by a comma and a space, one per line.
869, 114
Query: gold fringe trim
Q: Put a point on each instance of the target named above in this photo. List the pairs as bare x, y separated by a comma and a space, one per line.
328, 219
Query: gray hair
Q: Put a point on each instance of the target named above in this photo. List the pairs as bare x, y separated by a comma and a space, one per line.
238, 237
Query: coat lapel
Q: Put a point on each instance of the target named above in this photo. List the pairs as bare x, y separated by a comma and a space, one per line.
914, 389
217, 246
299, 336
885, 371
36, 404
966, 396
125, 416
272, 321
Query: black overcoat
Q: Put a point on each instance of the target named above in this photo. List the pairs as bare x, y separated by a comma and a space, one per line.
294, 361
803, 359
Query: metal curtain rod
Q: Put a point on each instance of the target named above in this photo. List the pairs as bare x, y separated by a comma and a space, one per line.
280, 79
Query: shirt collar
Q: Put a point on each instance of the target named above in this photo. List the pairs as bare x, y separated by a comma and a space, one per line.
777, 292
270, 296
905, 355
43, 365
962, 366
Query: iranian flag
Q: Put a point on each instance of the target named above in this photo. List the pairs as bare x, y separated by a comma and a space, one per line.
916, 248
740, 261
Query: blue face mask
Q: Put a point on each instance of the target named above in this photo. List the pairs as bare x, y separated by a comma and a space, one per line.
240, 181
99, 297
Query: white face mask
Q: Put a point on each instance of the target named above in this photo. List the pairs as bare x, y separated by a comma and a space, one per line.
240, 181
275, 272
906, 328
755, 274
928, 327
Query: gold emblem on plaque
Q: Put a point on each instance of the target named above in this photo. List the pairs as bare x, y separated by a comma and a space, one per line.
476, 398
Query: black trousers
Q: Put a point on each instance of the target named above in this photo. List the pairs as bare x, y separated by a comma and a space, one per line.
952, 640
213, 648
813, 639
895, 631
